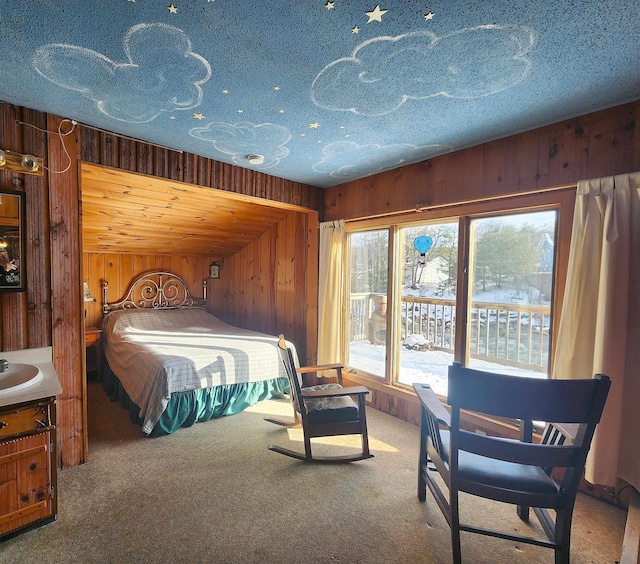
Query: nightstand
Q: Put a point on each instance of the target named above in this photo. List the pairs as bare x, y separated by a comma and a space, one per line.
92, 337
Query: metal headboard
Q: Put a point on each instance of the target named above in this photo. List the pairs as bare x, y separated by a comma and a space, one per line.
155, 290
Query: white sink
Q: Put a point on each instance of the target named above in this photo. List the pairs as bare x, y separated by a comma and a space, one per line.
18, 377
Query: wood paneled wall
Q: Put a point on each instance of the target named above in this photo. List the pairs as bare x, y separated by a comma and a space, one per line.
25, 318
111, 150
66, 297
119, 270
591, 146
272, 284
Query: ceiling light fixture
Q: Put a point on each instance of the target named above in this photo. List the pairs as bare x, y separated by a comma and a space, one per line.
255, 159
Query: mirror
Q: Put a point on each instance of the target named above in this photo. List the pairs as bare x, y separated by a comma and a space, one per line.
13, 276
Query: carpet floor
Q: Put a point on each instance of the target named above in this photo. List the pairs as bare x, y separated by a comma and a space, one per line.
214, 493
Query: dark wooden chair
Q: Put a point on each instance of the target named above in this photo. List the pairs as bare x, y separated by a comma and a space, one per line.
323, 411
542, 475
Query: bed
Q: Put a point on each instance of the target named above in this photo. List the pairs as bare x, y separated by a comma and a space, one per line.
172, 364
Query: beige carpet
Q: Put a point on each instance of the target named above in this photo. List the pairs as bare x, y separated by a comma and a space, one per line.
214, 493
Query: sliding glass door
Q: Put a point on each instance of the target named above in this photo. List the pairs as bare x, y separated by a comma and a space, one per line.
476, 287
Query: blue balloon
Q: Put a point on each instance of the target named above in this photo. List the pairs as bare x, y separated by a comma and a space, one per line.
422, 244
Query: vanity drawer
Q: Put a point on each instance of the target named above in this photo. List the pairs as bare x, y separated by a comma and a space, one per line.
16, 420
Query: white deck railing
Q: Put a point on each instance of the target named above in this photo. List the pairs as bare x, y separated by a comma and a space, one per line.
515, 334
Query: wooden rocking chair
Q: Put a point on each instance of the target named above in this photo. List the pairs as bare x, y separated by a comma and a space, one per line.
323, 411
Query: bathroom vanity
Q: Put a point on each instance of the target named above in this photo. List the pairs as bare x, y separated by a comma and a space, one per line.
28, 468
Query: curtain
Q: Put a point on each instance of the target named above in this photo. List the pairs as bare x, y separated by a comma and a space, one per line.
330, 287
598, 331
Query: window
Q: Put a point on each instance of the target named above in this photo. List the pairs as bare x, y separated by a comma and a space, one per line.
511, 284
368, 289
412, 309
428, 303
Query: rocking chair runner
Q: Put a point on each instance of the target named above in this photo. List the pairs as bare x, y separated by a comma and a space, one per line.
541, 476
323, 411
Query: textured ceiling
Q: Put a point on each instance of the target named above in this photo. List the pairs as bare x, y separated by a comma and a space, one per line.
326, 92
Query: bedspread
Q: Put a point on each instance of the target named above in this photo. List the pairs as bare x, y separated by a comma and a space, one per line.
155, 353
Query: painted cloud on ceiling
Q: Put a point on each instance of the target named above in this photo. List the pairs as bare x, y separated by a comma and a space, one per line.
345, 159
242, 139
161, 74
384, 72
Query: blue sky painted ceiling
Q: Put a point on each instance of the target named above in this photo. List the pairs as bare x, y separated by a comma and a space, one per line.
325, 91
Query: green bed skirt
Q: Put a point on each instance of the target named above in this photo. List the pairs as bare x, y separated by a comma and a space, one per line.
186, 408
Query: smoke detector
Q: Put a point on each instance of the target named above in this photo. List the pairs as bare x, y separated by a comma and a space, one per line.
255, 159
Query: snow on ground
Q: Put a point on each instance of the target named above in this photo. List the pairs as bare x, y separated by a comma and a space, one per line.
429, 367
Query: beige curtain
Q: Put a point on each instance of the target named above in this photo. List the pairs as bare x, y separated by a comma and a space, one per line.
330, 286
597, 326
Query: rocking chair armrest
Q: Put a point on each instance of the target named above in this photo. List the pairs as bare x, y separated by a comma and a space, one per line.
337, 392
319, 368
431, 402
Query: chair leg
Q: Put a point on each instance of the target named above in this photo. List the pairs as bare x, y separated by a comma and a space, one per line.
422, 484
365, 444
455, 529
563, 536
307, 447
423, 458
523, 512
363, 426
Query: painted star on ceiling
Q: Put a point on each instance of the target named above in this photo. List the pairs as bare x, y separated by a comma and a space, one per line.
376, 14
198, 116
329, 6
172, 9
429, 16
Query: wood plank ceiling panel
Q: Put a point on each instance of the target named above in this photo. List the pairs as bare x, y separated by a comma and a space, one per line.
131, 213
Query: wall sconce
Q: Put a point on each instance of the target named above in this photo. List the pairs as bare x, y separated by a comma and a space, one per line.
87, 293
214, 270
17, 162
87, 296
29, 163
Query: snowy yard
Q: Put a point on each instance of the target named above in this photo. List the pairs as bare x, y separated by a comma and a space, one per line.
429, 367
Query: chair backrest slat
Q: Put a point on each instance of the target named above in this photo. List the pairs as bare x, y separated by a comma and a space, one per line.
558, 456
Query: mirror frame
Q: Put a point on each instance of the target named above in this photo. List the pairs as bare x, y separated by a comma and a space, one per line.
17, 249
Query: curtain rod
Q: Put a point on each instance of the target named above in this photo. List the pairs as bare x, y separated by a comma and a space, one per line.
428, 207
